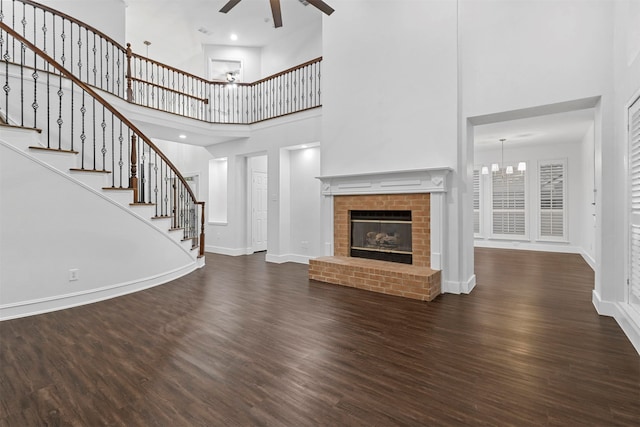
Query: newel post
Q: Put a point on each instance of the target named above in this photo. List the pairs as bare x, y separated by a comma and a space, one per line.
129, 90
202, 229
133, 181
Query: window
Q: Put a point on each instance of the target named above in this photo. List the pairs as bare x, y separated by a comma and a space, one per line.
552, 205
508, 204
218, 190
476, 202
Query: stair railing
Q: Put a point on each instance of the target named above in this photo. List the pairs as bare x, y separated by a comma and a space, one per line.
99, 61
75, 118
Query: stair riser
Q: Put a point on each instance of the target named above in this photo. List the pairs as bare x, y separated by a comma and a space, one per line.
60, 161
94, 180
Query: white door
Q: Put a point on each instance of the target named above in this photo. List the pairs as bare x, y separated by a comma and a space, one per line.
259, 211
634, 198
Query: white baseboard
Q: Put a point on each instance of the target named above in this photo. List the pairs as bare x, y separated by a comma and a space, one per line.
227, 251
471, 283
280, 259
626, 316
453, 287
61, 302
588, 259
527, 246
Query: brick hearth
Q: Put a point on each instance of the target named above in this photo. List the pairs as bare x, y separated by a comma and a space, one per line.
417, 281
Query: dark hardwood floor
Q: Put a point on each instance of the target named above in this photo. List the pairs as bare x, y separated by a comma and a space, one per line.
243, 343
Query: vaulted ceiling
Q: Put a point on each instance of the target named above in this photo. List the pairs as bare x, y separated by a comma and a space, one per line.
251, 20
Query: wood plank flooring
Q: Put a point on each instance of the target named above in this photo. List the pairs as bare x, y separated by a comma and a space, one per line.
246, 343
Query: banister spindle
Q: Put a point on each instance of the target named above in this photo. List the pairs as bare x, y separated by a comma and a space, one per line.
129, 89
201, 228
133, 180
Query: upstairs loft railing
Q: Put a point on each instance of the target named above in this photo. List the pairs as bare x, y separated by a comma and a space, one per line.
73, 117
99, 61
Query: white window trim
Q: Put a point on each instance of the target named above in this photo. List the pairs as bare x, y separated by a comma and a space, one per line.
565, 202
480, 209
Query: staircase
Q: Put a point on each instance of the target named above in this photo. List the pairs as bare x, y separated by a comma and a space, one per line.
91, 208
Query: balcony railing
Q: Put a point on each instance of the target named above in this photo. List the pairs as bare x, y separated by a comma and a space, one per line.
99, 61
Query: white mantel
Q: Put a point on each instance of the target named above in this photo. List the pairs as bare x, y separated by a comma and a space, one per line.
429, 180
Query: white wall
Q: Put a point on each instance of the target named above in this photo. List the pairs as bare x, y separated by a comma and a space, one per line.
107, 16
268, 138
305, 238
390, 94
612, 299
287, 52
588, 208
576, 190
178, 44
60, 226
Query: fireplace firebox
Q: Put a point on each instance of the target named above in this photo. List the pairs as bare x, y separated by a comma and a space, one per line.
382, 235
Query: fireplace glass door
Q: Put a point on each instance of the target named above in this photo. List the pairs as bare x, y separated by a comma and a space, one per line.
382, 235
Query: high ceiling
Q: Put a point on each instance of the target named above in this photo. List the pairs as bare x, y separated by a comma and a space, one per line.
251, 20
548, 129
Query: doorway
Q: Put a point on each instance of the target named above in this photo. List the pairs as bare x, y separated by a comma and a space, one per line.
536, 189
258, 202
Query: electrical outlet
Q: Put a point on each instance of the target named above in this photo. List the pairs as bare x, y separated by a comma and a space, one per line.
73, 274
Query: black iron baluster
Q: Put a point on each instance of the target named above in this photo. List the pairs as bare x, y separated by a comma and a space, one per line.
94, 69
120, 161
83, 137
86, 34
103, 151
155, 169
113, 153
149, 176
6, 87
60, 121
94, 133
142, 171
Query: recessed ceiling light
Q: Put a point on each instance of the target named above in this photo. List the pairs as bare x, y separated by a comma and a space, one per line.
182, 136
233, 37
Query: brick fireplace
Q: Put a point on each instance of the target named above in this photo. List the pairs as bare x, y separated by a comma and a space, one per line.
419, 192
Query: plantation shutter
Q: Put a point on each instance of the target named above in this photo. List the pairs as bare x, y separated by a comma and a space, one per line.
476, 202
634, 186
508, 204
552, 199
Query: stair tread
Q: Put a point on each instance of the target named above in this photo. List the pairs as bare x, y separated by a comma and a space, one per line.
117, 188
142, 204
20, 127
176, 229
161, 217
90, 170
54, 150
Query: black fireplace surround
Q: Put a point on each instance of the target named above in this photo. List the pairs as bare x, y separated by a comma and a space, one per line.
382, 235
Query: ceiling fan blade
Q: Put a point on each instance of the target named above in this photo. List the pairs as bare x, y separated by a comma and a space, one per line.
319, 4
275, 11
230, 4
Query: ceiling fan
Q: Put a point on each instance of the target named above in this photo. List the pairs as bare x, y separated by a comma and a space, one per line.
275, 9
